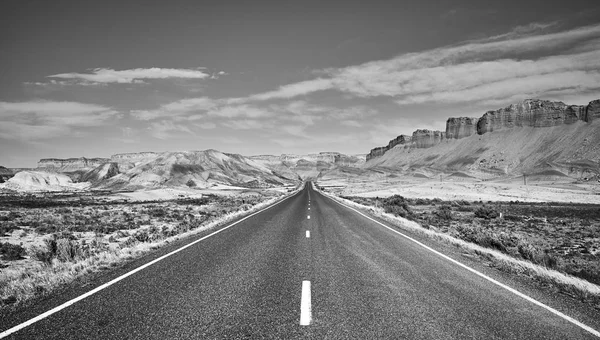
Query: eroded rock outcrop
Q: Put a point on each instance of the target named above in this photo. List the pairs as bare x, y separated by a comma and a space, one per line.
423, 138
592, 111
71, 164
461, 127
400, 140
132, 156
531, 112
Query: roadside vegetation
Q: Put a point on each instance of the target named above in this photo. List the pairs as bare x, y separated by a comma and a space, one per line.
551, 236
48, 242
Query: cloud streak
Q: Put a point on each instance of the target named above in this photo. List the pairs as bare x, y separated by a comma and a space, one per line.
35, 120
137, 75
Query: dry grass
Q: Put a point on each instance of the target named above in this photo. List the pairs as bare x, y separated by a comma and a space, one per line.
61, 260
567, 284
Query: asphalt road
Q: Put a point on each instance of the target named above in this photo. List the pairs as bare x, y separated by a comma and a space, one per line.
366, 282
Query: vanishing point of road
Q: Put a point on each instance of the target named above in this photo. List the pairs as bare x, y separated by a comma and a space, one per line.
307, 267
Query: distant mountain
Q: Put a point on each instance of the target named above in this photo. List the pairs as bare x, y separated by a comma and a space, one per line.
310, 165
42, 181
536, 137
194, 169
142, 170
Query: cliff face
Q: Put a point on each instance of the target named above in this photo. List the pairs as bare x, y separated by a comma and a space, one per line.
71, 163
422, 139
592, 111
530, 113
400, 140
132, 156
457, 128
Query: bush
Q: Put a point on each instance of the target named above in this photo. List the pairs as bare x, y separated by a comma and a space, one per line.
398, 206
67, 250
11, 252
533, 254
486, 212
142, 236
444, 212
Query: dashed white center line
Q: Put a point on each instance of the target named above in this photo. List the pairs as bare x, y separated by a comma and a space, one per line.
308, 234
305, 307
308, 217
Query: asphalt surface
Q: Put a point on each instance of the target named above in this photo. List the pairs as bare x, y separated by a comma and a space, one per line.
245, 282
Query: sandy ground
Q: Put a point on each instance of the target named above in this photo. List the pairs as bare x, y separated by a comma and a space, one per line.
470, 190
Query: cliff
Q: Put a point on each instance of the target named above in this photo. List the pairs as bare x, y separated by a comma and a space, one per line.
132, 156
534, 113
400, 140
71, 164
423, 139
457, 128
531, 112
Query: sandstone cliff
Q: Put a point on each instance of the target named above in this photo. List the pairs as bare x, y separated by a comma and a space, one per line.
537, 138
457, 128
71, 164
423, 139
400, 140
530, 113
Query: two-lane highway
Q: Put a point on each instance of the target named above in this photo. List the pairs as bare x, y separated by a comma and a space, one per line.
307, 267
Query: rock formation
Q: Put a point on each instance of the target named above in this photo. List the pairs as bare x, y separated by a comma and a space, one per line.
457, 128
400, 140
100, 173
530, 113
71, 164
422, 139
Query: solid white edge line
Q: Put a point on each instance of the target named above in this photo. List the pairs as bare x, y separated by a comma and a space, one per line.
510, 289
305, 305
112, 282
308, 234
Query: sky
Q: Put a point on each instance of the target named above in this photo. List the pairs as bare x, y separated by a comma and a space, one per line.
95, 78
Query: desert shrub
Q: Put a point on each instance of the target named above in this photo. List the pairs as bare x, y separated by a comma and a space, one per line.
41, 254
444, 212
67, 250
7, 228
531, 253
486, 212
157, 212
191, 183
421, 201
46, 229
11, 252
141, 236
486, 238
398, 206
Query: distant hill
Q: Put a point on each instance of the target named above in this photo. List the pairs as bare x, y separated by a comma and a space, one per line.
310, 165
536, 137
194, 169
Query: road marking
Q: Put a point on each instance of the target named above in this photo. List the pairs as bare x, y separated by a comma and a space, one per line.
308, 208
305, 307
510, 289
308, 217
112, 282
308, 234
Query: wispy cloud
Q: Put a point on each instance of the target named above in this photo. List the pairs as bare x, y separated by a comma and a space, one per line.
166, 129
524, 57
34, 120
137, 75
